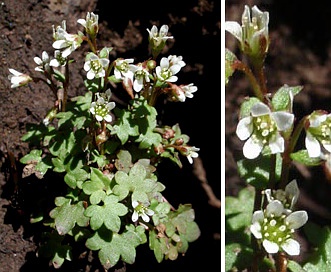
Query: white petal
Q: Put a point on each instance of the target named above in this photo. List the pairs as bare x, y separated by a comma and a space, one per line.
270, 247
327, 147
244, 128
134, 203
256, 230
145, 217
90, 74
297, 219
291, 247
234, 28
252, 149
313, 146
108, 118
284, 120
277, 146
259, 109
274, 207
258, 216
59, 44
134, 216
292, 190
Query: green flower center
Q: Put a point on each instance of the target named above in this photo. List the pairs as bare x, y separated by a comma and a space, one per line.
264, 128
101, 110
323, 132
96, 66
275, 229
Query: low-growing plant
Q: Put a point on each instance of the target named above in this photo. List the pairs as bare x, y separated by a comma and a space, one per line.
106, 151
262, 220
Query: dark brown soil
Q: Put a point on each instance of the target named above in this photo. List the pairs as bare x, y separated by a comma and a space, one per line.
26, 31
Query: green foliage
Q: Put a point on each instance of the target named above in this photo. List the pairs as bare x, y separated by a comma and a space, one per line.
105, 157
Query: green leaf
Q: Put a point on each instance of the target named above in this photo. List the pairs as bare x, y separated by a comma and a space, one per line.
282, 101
230, 58
302, 156
76, 178
295, 267
239, 210
124, 126
137, 183
33, 156
245, 108
320, 237
112, 246
108, 214
67, 215
256, 172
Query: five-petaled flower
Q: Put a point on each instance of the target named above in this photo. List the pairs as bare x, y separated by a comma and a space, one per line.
18, 79
275, 228
101, 108
262, 128
318, 134
140, 209
95, 66
253, 34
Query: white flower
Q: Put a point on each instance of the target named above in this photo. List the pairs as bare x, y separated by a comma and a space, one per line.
43, 62
262, 128
124, 69
288, 197
318, 134
158, 38
67, 42
90, 24
253, 34
101, 108
95, 66
276, 229
58, 59
189, 90
190, 152
140, 209
18, 79
173, 59
166, 71
141, 75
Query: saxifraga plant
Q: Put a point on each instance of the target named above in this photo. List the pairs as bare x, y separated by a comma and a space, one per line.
107, 153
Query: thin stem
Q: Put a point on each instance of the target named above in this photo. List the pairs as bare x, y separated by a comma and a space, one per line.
289, 149
281, 262
249, 73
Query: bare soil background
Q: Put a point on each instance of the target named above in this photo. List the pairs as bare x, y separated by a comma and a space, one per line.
299, 54
26, 31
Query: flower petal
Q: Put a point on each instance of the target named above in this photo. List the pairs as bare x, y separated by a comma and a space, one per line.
244, 128
255, 229
277, 145
274, 207
284, 120
252, 149
259, 109
270, 247
292, 191
291, 247
297, 219
312, 145
234, 28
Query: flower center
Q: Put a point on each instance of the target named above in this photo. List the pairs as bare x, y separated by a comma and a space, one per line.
101, 110
275, 229
96, 66
264, 128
